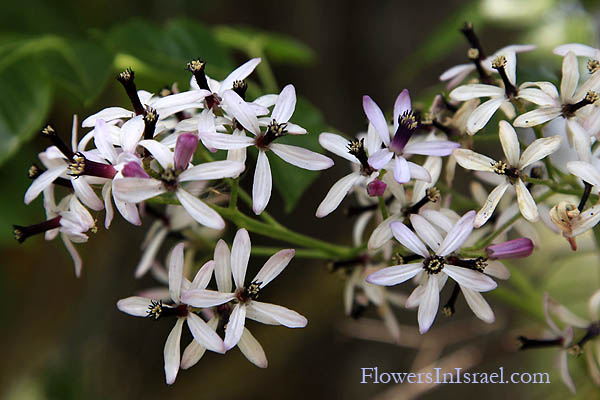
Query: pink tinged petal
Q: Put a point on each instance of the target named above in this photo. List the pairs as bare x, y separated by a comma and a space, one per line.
274, 266
273, 314
459, 233
510, 143
103, 141
562, 364
262, 185
135, 190
252, 350
490, 204
455, 71
497, 270
135, 305
570, 77
43, 181
516, 248
376, 117
469, 278
160, 152
235, 327
539, 149
482, 114
415, 297
204, 334
468, 159
408, 239
401, 105
428, 305
212, 170
526, 203
380, 158
431, 148
478, 305
176, 272
204, 298
223, 266
184, 150
336, 194
86, 194
194, 351
286, 103
438, 219
468, 92
203, 276
336, 144
198, 210
419, 173
241, 111
150, 253
225, 142
540, 97
401, 170
426, 232
382, 233
131, 133
537, 117
240, 254
239, 74
172, 352
373, 140
108, 114
301, 157
579, 139
394, 275
134, 170
587, 220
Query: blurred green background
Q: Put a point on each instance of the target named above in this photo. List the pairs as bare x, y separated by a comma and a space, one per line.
63, 337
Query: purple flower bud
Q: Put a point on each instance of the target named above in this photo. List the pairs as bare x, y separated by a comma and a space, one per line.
376, 188
517, 248
184, 150
134, 170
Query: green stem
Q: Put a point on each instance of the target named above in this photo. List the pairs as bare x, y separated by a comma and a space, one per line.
235, 185
519, 302
383, 208
263, 70
300, 253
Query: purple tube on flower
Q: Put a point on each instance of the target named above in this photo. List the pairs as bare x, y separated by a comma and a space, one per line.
134, 170
516, 248
184, 150
376, 188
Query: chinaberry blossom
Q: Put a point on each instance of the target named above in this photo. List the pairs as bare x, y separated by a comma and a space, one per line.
434, 263
155, 309
512, 170
405, 124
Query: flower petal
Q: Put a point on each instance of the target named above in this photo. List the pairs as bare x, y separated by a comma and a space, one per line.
135, 190
198, 210
336, 194
273, 314
537, 117
428, 305
490, 204
585, 171
468, 92
262, 185
470, 160
469, 278
239, 74
431, 148
408, 239
203, 275
401, 105
482, 114
376, 117
42, 182
459, 233
539, 97
204, 334
394, 275
301, 157
570, 77
135, 305
172, 352
212, 170
274, 266
380, 158
176, 272
223, 266
539, 149
401, 170
286, 103
241, 111
225, 142
194, 351
510, 142
235, 326
160, 152
337, 144
252, 350
240, 254
426, 232
478, 305
526, 203
204, 298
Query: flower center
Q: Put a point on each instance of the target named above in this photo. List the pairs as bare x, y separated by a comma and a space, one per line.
240, 88
249, 292
433, 265
357, 149
82, 166
274, 130
196, 67
593, 66
568, 110
157, 310
502, 168
407, 124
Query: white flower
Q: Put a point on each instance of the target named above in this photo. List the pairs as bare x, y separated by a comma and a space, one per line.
203, 334
243, 299
264, 141
434, 263
513, 170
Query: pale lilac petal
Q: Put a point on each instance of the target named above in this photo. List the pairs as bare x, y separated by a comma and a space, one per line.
86, 194
490, 204
109, 211
482, 114
235, 327
168, 105
526, 202
401, 105
198, 210
203, 276
456, 71
134, 190
468, 159
108, 114
160, 152
301, 157
426, 232
103, 141
150, 252
176, 272
469, 278
570, 77
459, 233
419, 173
394, 275
273, 314
42, 182
478, 305
428, 305
401, 170
537, 117
286, 103
408, 239
204, 298
134, 170
131, 132
468, 92
338, 145
135, 305
239, 74
262, 185
382, 233
252, 350
274, 266
212, 170
438, 219
205, 335
194, 351
172, 352
240, 254
223, 266
431, 148
380, 158
496, 269
337, 193
241, 111
376, 117
510, 143
224, 141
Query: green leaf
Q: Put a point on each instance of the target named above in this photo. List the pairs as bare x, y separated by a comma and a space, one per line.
277, 48
24, 104
291, 181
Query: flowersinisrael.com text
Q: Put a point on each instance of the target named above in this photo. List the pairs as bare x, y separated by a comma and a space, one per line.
456, 375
